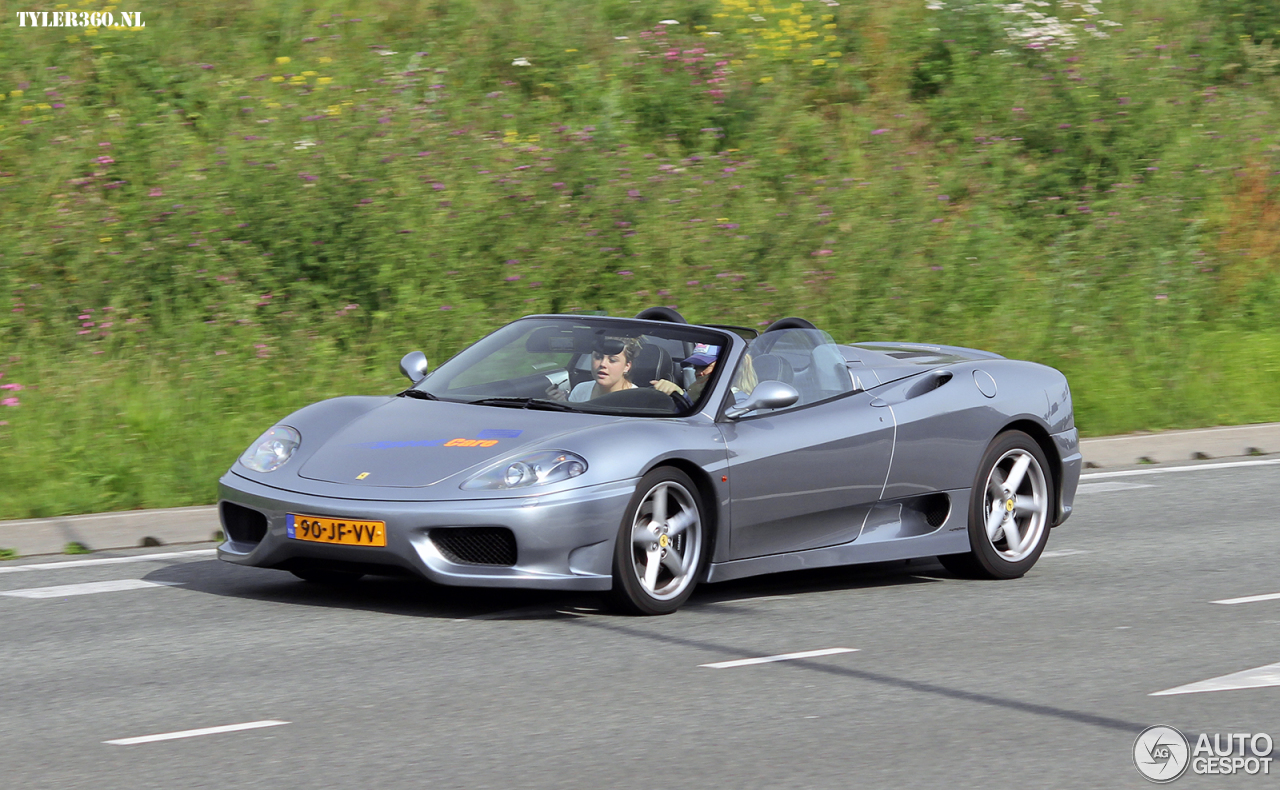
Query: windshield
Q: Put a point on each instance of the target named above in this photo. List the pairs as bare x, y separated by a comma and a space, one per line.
574, 363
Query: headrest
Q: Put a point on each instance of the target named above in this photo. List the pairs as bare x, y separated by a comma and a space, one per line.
771, 367
790, 322
661, 314
652, 363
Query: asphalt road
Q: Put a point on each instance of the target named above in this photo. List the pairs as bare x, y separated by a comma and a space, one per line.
1039, 682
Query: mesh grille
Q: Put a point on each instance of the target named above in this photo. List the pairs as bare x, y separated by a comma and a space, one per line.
936, 509
476, 545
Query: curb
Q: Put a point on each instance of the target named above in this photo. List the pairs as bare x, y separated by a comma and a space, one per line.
134, 528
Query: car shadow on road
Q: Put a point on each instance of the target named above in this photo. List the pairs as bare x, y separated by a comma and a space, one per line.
419, 598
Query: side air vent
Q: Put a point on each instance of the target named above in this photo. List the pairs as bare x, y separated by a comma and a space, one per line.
936, 508
242, 524
476, 545
929, 382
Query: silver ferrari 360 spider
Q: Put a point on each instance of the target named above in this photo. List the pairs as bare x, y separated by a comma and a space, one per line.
642, 456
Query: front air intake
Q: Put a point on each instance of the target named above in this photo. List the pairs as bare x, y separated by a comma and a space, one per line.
242, 524
476, 545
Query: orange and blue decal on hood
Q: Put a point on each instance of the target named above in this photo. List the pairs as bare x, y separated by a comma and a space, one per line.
485, 438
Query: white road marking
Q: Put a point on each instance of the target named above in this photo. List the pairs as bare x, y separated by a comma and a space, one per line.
523, 612
90, 588
1103, 488
54, 566
1259, 677
1167, 469
1063, 553
742, 662
170, 736
1249, 599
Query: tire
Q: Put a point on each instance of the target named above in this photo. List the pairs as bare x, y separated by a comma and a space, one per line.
328, 577
657, 561
1008, 525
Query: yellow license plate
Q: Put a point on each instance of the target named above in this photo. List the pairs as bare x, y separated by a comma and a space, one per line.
333, 530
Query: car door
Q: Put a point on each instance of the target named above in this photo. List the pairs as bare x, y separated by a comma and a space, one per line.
805, 477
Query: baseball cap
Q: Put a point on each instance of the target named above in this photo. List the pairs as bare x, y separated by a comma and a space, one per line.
703, 354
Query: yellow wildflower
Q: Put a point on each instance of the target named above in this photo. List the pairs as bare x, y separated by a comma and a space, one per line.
324, 80
282, 60
324, 60
104, 239
334, 110
766, 79
310, 73
277, 79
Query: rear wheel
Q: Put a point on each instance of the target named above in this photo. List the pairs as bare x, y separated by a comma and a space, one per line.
660, 547
327, 577
1009, 510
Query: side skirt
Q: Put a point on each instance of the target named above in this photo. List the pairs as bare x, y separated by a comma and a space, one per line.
950, 538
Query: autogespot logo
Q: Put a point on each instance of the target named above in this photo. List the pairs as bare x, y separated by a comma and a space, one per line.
1162, 754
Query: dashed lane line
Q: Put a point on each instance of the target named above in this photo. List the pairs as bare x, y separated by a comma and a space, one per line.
742, 662
171, 736
1258, 677
89, 588
1064, 552
1249, 599
57, 566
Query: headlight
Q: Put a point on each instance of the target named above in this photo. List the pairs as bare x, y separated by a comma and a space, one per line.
534, 469
272, 449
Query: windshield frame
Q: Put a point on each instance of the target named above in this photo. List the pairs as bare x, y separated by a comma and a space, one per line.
474, 354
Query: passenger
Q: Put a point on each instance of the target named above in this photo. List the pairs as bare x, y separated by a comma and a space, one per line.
745, 381
610, 366
703, 362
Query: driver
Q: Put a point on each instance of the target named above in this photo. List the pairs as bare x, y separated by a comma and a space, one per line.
610, 369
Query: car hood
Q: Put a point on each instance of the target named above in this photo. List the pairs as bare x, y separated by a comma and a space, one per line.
408, 443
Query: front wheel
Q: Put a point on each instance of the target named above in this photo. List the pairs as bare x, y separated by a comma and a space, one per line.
660, 546
1009, 510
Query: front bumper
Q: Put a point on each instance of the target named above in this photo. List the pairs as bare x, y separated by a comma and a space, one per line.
564, 541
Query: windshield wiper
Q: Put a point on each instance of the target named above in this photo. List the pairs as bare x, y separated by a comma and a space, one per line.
524, 403
416, 394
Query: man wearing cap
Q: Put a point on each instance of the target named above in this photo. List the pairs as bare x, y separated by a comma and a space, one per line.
703, 362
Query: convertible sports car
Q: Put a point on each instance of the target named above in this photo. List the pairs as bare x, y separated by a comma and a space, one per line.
642, 456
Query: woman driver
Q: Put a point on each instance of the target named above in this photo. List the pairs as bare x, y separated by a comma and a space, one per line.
609, 371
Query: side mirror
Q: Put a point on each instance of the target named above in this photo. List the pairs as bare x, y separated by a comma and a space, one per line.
414, 366
766, 395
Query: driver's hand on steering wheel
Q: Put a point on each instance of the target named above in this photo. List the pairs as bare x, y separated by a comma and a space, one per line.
666, 387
